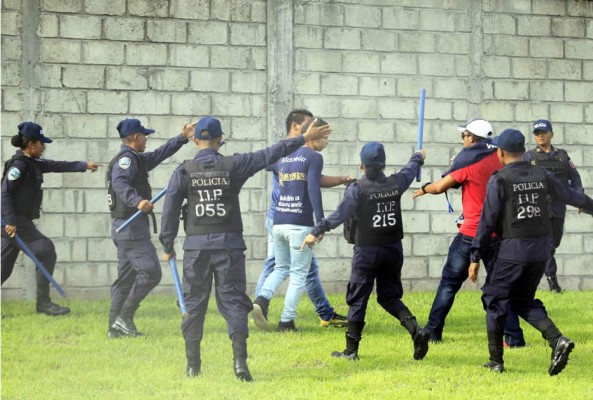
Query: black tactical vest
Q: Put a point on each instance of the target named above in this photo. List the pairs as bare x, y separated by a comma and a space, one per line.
525, 212
557, 164
140, 183
213, 199
29, 195
378, 217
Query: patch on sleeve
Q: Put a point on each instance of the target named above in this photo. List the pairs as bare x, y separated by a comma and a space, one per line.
13, 174
571, 164
124, 162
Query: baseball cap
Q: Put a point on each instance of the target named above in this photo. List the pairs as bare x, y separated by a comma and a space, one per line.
33, 131
208, 128
510, 140
542, 125
373, 155
479, 127
129, 126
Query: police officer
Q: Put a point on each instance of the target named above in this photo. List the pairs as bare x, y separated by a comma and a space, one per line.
139, 269
558, 163
375, 202
516, 209
21, 204
214, 244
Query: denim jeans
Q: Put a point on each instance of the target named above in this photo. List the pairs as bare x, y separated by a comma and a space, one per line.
313, 286
455, 272
291, 261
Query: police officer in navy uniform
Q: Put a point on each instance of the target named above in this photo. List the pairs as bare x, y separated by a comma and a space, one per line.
558, 163
139, 269
516, 209
376, 232
21, 204
214, 244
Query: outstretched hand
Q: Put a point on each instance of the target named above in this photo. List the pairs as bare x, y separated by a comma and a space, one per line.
92, 166
317, 132
310, 240
188, 130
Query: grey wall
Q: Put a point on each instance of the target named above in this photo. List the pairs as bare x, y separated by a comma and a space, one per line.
77, 67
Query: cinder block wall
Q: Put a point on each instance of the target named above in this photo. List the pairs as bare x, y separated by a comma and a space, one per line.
77, 67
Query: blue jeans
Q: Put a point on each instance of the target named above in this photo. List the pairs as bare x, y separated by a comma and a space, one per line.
291, 261
313, 286
455, 272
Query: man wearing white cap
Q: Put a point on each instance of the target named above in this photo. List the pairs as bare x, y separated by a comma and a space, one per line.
470, 170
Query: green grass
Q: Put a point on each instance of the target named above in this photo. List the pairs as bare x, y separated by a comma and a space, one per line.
71, 357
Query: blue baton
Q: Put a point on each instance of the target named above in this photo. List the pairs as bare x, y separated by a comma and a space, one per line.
138, 213
420, 128
173, 266
38, 263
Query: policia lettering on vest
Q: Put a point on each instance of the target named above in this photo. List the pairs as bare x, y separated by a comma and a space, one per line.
516, 209
214, 245
22, 198
371, 212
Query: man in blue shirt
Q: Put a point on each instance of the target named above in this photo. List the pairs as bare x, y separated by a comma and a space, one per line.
516, 209
557, 162
214, 245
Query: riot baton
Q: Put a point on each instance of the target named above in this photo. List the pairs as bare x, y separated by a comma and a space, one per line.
173, 266
138, 213
420, 128
38, 263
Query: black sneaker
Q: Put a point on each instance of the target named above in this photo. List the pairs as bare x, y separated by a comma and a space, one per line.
560, 355
47, 307
347, 354
421, 339
494, 366
241, 371
192, 370
260, 313
287, 326
337, 320
126, 326
113, 333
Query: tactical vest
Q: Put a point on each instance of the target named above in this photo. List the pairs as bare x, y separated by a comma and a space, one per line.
140, 183
212, 198
525, 212
29, 195
378, 217
557, 164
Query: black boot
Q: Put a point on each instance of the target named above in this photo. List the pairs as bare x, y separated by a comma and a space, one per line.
260, 313
553, 282
353, 337
240, 358
287, 326
496, 350
47, 307
194, 362
561, 346
420, 336
124, 322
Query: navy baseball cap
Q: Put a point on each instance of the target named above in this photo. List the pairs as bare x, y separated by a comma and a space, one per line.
373, 155
542, 125
208, 128
33, 131
129, 126
510, 140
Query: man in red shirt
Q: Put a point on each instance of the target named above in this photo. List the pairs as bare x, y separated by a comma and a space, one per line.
470, 170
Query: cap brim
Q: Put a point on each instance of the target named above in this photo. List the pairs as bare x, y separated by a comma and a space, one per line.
495, 140
540, 130
461, 128
46, 140
148, 131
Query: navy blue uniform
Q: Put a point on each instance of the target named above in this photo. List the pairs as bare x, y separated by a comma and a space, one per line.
219, 255
557, 162
139, 269
520, 261
13, 183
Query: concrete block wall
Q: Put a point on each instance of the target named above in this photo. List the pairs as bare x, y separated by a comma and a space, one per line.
79, 67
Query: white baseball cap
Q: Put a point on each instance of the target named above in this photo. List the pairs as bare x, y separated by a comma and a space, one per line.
479, 127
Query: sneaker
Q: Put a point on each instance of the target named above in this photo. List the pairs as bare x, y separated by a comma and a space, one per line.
126, 326
113, 333
260, 313
47, 307
347, 354
287, 326
421, 339
337, 321
192, 370
494, 366
560, 355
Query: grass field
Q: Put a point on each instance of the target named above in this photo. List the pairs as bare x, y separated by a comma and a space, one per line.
71, 358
